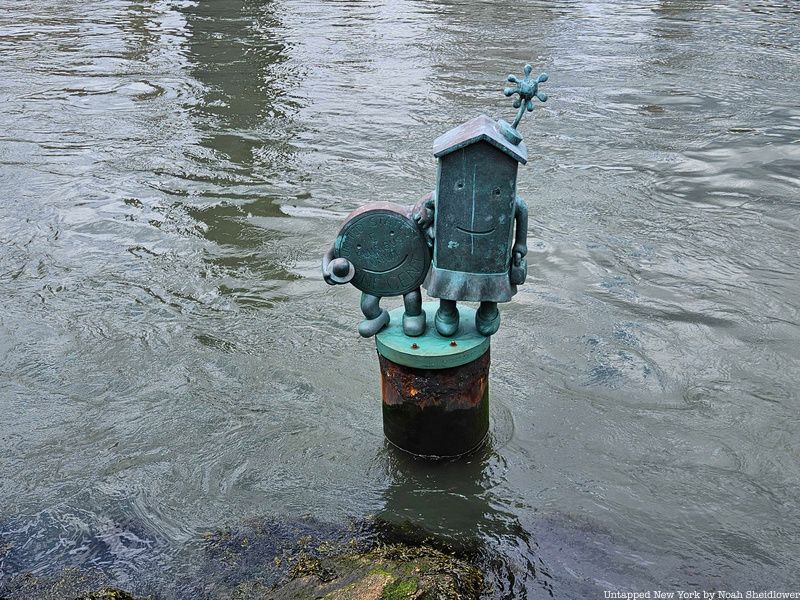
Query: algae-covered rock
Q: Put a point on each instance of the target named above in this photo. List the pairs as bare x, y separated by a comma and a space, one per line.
107, 594
391, 572
268, 559
69, 584
265, 559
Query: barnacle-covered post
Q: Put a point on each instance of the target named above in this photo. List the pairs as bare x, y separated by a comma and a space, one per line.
435, 379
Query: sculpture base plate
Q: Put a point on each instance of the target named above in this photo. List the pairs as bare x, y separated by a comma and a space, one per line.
431, 350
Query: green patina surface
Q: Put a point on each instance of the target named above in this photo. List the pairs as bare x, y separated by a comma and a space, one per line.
527, 89
432, 350
387, 249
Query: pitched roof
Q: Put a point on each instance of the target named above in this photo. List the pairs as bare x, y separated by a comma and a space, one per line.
479, 129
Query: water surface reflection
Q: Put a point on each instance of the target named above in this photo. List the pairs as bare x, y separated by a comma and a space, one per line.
172, 361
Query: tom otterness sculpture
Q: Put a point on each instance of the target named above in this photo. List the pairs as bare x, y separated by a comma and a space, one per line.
474, 224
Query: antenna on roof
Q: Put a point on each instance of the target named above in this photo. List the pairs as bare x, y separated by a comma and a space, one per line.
528, 89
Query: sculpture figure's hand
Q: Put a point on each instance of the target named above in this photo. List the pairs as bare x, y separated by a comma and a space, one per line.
424, 214
519, 266
336, 271
340, 271
326, 275
423, 217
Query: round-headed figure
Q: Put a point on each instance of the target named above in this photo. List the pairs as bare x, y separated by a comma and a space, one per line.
382, 251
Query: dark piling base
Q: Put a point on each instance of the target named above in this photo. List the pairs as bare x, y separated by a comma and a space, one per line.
435, 389
436, 412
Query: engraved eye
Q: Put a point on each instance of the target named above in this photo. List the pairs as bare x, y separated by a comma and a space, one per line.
358, 246
496, 191
460, 184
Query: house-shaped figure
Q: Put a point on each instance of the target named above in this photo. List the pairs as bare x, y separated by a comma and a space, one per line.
475, 207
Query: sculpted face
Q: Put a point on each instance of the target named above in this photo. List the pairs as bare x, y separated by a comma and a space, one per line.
478, 218
475, 203
387, 249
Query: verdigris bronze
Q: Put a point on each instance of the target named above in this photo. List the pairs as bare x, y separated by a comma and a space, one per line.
527, 89
477, 222
382, 251
466, 241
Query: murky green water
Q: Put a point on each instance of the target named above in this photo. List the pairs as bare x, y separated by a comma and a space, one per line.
171, 172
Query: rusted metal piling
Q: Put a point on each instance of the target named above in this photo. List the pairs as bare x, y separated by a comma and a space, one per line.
435, 389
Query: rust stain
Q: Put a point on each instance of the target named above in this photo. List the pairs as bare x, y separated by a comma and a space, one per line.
456, 388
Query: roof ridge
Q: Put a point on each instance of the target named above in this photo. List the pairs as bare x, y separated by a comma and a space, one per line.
478, 129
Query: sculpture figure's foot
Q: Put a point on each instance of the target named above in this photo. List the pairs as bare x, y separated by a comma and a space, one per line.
414, 326
369, 327
446, 319
487, 320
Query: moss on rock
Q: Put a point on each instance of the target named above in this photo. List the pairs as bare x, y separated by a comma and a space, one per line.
399, 590
268, 560
390, 572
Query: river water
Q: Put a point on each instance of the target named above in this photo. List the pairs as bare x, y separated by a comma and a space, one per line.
172, 171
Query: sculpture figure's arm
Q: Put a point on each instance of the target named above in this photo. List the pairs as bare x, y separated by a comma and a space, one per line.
521, 231
326, 261
424, 213
336, 271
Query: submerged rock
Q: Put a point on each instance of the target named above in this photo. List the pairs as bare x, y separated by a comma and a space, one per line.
71, 583
390, 572
266, 559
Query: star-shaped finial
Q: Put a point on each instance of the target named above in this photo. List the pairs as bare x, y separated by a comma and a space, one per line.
527, 90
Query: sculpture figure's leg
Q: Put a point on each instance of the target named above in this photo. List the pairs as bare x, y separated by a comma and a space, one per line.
487, 319
414, 316
377, 317
447, 318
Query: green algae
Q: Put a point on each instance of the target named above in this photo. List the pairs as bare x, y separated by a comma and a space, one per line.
383, 572
270, 559
108, 594
399, 590
390, 562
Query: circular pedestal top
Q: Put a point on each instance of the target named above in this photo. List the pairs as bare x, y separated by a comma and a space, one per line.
431, 350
